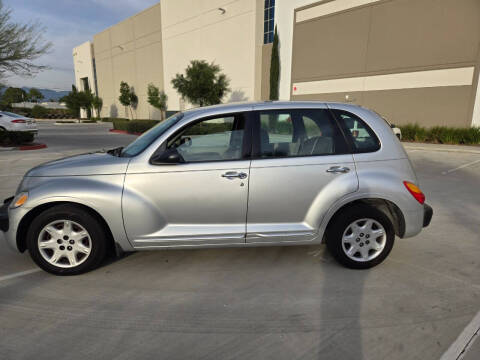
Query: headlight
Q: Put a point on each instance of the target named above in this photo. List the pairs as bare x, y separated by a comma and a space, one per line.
19, 200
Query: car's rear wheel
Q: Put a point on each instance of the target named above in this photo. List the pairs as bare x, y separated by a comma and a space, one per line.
360, 237
66, 240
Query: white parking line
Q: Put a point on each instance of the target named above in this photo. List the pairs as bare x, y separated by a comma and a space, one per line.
18, 274
458, 347
460, 167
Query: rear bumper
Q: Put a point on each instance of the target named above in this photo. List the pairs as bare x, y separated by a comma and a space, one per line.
427, 215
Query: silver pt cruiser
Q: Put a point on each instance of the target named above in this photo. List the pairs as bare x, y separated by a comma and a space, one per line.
254, 174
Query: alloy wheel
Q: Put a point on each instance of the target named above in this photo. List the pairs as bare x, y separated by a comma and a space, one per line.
364, 239
64, 243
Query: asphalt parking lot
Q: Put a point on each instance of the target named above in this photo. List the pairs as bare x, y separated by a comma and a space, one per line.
253, 303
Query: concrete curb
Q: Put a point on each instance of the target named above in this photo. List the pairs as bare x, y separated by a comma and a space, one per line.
76, 123
423, 148
25, 147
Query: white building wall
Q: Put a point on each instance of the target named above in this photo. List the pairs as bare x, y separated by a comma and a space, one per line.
83, 67
199, 30
476, 106
284, 12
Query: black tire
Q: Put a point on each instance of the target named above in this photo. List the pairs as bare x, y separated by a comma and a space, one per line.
340, 224
79, 216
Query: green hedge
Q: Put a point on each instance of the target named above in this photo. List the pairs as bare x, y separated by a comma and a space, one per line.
208, 128
39, 112
140, 126
441, 134
13, 138
120, 124
49, 114
133, 126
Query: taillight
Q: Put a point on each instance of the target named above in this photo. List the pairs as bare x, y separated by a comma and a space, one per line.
19, 121
415, 191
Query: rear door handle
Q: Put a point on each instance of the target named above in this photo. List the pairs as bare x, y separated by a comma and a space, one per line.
338, 169
234, 174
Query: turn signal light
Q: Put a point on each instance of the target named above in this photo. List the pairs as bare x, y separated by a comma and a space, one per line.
22, 199
415, 191
19, 121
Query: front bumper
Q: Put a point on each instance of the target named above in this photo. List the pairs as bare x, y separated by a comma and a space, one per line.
4, 224
427, 215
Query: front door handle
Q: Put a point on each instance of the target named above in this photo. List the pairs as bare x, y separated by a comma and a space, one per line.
234, 174
338, 169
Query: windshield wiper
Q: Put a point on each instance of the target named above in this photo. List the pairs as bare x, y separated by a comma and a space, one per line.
116, 152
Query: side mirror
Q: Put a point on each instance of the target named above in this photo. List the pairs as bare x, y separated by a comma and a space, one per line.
167, 158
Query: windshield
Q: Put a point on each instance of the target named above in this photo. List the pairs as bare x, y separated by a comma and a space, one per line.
143, 141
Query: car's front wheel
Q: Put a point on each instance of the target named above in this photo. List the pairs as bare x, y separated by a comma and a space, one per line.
66, 240
361, 237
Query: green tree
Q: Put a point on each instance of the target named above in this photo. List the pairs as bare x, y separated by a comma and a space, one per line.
39, 112
72, 101
85, 99
203, 83
158, 99
275, 67
13, 95
127, 97
34, 95
97, 103
20, 45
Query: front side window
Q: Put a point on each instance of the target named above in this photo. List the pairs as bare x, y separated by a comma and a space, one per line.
147, 138
361, 135
303, 132
214, 139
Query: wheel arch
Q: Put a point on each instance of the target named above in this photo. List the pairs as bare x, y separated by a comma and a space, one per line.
389, 208
24, 224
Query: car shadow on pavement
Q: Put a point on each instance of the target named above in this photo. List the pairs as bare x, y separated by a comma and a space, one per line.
341, 301
255, 303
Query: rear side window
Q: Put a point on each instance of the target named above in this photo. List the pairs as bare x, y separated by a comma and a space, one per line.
298, 132
361, 135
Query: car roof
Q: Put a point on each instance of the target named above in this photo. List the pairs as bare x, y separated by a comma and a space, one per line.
10, 114
264, 105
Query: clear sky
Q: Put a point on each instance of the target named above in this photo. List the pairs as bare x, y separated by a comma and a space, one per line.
68, 23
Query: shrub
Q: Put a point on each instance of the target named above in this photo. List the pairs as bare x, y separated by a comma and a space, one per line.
50, 113
9, 138
140, 126
39, 112
207, 128
441, 134
120, 124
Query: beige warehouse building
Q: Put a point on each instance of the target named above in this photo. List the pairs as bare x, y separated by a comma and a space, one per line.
410, 60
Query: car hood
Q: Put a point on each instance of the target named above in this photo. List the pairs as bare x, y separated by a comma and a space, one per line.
82, 165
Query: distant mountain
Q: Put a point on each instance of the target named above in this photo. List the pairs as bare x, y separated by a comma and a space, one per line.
49, 94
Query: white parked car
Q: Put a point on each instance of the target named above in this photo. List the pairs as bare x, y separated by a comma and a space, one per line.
14, 122
396, 131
